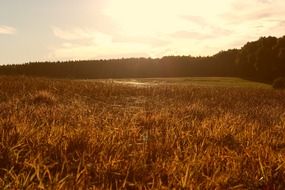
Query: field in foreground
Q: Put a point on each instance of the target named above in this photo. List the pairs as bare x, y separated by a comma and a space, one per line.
63, 134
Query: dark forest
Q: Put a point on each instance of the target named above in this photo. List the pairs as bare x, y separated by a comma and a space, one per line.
262, 60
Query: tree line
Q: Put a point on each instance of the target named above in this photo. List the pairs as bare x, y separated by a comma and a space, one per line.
262, 60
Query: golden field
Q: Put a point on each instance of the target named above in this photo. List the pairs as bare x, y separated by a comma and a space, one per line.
68, 134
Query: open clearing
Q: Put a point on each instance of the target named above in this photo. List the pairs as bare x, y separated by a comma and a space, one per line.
194, 81
70, 134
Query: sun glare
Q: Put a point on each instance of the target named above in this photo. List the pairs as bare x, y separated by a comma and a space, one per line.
143, 17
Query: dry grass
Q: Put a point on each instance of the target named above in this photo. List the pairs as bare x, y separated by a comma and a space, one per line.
43, 97
60, 134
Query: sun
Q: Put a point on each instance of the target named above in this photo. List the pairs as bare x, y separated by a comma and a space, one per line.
143, 17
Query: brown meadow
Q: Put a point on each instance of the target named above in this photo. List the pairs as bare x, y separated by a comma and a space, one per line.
68, 134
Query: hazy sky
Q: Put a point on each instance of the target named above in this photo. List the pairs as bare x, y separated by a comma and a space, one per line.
37, 30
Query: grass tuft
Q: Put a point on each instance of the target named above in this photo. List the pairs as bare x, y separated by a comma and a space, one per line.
43, 97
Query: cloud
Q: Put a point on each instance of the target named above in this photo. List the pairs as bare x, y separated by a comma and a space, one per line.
95, 51
191, 35
72, 34
244, 11
180, 27
251, 19
7, 30
154, 41
202, 28
82, 36
199, 20
79, 43
265, 1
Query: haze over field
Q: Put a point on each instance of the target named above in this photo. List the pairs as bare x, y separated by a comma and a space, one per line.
34, 30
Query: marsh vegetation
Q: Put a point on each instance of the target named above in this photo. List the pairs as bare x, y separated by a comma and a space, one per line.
69, 134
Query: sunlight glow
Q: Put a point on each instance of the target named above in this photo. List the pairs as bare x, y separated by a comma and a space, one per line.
131, 28
7, 30
150, 17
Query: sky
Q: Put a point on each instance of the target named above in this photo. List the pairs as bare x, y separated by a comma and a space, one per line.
52, 30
